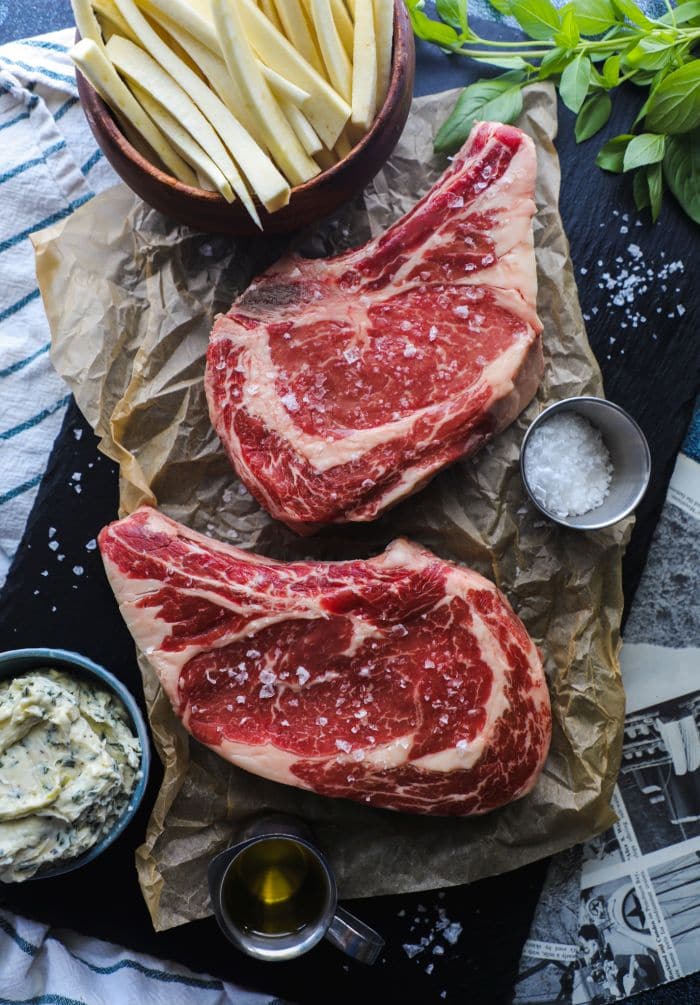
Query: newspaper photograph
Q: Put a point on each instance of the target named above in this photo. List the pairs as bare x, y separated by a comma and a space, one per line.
634, 891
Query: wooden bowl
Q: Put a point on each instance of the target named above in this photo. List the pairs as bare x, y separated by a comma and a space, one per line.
315, 199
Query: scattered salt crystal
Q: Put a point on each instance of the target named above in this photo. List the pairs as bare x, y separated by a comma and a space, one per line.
91, 545
78, 570
77, 433
322, 720
290, 402
409, 350
429, 665
267, 677
567, 465
681, 309
438, 950
240, 699
462, 311
432, 333
52, 531
462, 744
267, 691
252, 654
53, 545
412, 950
343, 745
452, 933
45, 572
429, 969
351, 354
302, 675
76, 476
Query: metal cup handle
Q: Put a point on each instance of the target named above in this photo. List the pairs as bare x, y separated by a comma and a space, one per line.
352, 936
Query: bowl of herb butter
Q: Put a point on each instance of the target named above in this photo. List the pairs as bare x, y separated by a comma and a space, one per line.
74, 760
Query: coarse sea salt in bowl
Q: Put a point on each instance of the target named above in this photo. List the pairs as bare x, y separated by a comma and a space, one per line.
585, 463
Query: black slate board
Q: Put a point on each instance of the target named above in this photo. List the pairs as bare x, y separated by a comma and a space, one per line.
656, 379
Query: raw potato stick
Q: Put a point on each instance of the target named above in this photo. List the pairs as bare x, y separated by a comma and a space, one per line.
96, 67
351, 8
325, 158
343, 23
326, 110
343, 146
280, 138
86, 22
140, 67
296, 29
364, 67
263, 176
198, 31
109, 10
302, 127
215, 71
384, 34
268, 9
183, 142
334, 55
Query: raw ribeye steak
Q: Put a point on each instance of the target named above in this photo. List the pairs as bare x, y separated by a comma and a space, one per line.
403, 681
340, 386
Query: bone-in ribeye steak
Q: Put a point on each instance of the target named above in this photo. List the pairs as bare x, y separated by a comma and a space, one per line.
402, 681
340, 386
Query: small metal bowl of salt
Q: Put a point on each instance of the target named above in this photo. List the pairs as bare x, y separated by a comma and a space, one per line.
585, 463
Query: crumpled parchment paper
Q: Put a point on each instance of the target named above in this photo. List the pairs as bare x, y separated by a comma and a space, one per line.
130, 298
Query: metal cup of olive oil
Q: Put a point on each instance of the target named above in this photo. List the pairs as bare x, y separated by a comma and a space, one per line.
274, 895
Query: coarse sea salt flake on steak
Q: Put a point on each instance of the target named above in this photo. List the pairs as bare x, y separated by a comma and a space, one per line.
340, 386
402, 681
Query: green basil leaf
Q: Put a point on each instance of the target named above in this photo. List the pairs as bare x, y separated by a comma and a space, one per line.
568, 35
594, 113
502, 6
651, 53
539, 18
655, 181
594, 16
611, 70
429, 30
575, 81
611, 155
681, 167
554, 62
675, 104
630, 10
647, 148
454, 13
689, 11
640, 190
505, 62
497, 100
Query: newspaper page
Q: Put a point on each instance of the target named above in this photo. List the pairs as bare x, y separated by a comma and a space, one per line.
621, 914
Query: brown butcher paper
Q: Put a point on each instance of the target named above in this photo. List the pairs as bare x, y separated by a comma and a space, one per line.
131, 298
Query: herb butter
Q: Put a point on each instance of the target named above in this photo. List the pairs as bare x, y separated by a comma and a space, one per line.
68, 765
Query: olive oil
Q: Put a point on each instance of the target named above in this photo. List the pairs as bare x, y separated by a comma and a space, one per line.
274, 887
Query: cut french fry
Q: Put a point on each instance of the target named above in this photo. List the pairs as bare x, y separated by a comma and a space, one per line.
263, 176
296, 28
326, 110
302, 127
325, 159
140, 67
283, 88
343, 23
364, 67
270, 12
86, 22
343, 146
189, 16
96, 67
203, 35
334, 55
182, 141
242, 65
351, 8
384, 35
108, 10
214, 70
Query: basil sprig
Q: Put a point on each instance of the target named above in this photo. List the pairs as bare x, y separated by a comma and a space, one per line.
588, 48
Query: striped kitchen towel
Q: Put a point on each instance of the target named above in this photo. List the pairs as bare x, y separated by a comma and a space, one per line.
41, 967
49, 165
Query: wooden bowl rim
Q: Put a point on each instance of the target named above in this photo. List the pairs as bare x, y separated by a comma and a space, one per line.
102, 113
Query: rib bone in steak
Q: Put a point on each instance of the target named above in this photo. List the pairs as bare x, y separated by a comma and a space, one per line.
403, 681
340, 386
